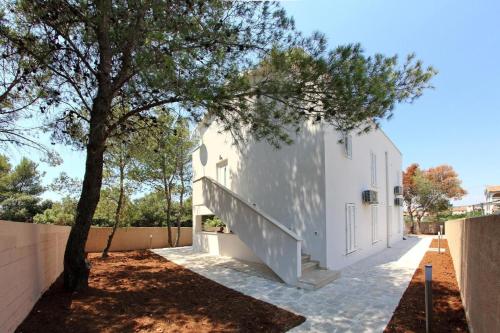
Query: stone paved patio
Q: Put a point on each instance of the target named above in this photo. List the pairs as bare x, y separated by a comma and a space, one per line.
361, 300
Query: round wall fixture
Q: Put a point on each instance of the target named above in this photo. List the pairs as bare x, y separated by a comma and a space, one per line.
203, 155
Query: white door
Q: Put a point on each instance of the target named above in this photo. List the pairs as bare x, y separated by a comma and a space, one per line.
350, 224
222, 173
375, 236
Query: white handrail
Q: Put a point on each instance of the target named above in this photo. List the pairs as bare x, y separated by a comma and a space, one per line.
258, 211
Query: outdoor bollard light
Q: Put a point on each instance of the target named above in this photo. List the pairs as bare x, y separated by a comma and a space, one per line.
439, 242
150, 241
428, 297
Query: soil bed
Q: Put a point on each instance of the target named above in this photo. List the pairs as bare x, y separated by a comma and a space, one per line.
448, 311
444, 243
141, 292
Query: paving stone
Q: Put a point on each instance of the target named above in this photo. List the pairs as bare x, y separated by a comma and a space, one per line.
361, 300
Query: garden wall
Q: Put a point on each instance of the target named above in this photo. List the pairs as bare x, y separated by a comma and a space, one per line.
31, 258
135, 238
427, 228
475, 248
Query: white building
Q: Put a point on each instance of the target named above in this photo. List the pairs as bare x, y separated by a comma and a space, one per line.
492, 194
298, 209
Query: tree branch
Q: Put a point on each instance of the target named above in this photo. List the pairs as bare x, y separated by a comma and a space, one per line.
138, 110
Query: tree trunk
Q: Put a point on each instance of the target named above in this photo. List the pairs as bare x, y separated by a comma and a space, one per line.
416, 225
181, 208
76, 267
413, 223
167, 192
118, 212
169, 228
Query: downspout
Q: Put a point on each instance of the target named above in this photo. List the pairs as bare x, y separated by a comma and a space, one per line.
387, 209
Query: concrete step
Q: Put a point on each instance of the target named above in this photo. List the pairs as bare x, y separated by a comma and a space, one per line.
306, 258
309, 266
317, 278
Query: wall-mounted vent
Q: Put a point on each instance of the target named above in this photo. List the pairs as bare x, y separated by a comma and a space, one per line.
398, 201
370, 197
398, 190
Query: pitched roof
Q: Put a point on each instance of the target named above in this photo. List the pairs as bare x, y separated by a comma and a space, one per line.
493, 188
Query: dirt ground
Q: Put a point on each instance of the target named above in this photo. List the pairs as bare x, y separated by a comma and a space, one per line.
141, 292
449, 315
444, 243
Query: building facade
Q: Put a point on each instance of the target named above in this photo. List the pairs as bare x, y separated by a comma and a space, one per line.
313, 191
492, 194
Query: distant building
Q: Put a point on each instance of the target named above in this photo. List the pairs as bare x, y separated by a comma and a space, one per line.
492, 194
459, 210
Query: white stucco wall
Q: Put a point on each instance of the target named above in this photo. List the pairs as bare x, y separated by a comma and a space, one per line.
288, 184
306, 186
345, 180
224, 244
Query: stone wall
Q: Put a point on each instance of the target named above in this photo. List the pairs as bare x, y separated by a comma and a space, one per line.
475, 248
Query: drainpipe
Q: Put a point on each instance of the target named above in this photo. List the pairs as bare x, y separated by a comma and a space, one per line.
387, 209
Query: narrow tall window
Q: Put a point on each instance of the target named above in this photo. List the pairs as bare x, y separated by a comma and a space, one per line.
350, 227
398, 208
347, 141
373, 163
374, 224
222, 173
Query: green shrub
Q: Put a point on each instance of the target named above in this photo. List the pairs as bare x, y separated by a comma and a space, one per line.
214, 222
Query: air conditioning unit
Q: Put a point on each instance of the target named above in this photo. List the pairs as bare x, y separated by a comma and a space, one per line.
398, 201
370, 197
398, 190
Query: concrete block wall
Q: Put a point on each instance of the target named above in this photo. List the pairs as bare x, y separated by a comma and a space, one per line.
475, 248
426, 228
135, 238
31, 258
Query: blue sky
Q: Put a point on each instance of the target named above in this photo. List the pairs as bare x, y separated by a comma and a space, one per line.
457, 123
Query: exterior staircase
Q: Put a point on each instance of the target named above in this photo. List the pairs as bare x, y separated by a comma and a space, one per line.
277, 246
273, 243
313, 276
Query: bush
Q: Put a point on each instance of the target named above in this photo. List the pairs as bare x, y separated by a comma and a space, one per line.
61, 213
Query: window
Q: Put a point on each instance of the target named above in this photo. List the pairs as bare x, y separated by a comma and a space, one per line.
347, 141
350, 227
373, 163
374, 224
222, 173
